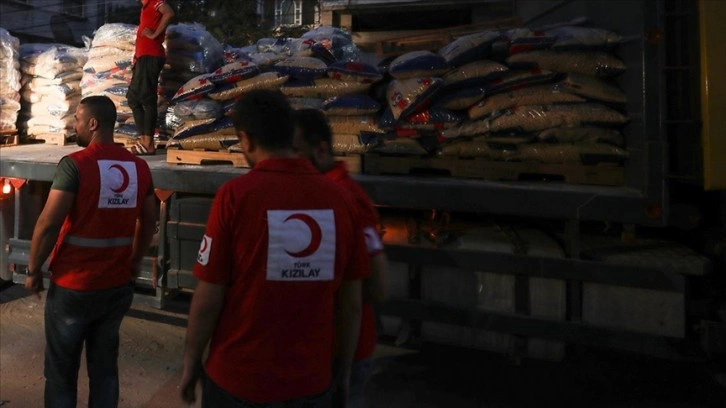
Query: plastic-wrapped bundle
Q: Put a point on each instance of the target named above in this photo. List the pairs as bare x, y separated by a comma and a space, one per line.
51, 60
50, 93
332, 40
108, 69
198, 109
9, 81
117, 35
191, 47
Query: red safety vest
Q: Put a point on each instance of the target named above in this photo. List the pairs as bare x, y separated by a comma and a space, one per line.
95, 242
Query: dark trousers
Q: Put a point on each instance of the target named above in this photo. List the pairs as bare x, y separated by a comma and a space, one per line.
214, 396
73, 318
142, 94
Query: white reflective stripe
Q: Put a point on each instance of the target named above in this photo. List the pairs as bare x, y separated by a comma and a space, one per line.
98, 243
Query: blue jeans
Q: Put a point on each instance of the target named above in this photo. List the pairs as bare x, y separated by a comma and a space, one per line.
214, 396
73, 318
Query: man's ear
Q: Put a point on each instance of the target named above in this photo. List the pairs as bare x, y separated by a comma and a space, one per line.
323, 150
92, 124
244, 141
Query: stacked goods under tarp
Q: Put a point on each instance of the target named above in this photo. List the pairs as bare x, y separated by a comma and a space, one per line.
108, 71
50, 90
191, 52
9, 81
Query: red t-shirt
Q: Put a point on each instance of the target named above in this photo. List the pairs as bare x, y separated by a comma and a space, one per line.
369, 221
282, 238
150, 17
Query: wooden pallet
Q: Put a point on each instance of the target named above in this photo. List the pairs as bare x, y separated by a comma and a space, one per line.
59, 139
605, 174
179, 156
128, 141
9, 138
397, 43
353, 162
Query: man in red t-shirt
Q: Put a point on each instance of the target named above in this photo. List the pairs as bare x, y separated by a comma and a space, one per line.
149, 58
313, 140
96, 225
278, 275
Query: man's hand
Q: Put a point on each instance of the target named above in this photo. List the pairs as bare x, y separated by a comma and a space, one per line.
188, 385
148, 33
34, 283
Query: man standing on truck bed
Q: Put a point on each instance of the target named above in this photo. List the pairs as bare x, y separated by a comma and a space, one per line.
98, 221
149, 58
279, 271
314, 141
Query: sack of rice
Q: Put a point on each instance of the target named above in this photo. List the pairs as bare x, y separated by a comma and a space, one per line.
593, 88
406, 95
469, 48
591, 134
416, 64
595, 63
539, 117
533, 95
266, 80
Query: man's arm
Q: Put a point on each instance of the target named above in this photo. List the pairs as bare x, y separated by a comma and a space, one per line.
167, 13
145, 228
45, 235
347, 324
204, 311
375, 287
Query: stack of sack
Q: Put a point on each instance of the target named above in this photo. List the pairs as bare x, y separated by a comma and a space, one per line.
555, 100
9, 81
191, 52
50, 89
108, 70
201, 106
314, 71
299, 67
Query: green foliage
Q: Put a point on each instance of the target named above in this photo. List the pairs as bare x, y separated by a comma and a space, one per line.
124, 14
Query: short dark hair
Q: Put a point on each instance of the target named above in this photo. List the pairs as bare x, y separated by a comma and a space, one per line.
267, 118
314, 127
102, 109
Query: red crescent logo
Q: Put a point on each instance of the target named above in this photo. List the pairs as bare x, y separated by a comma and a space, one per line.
315, 232
125, 176
204, 244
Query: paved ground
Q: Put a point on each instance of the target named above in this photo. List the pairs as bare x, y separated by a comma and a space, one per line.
428, 376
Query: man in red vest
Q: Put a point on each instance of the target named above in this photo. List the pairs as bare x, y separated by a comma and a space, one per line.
279, 270
314, 141
149, 58
97, 223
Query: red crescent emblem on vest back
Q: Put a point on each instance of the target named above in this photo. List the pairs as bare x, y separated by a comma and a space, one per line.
205, 243
316, 235
124, 174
